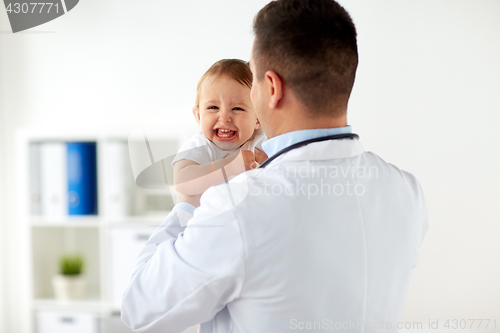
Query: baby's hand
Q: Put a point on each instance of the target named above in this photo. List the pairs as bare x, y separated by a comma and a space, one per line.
241, 161
260, 156
248, 159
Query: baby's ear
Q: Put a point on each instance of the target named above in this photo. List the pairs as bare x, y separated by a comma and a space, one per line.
196, 114
257, 125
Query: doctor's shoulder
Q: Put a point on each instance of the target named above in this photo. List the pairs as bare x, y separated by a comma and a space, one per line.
407, 181
239, 187
225, 196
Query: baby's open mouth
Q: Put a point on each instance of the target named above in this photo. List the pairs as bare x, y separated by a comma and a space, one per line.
225, 134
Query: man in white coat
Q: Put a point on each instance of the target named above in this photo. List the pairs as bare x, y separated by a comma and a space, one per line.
325, 237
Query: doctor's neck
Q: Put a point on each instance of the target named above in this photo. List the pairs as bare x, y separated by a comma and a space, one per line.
291, 119
286, 113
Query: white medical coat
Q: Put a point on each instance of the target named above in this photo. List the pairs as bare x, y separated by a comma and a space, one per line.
331, 245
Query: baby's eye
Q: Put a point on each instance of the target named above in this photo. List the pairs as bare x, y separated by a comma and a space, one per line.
213, 107
238, 109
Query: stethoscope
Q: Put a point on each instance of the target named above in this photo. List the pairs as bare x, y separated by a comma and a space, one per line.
306, 142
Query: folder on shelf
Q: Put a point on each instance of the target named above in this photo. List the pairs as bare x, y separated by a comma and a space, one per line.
118, 179
53, 179
34, 167
82, 178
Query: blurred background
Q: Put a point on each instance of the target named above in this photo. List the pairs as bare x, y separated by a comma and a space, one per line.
426, 98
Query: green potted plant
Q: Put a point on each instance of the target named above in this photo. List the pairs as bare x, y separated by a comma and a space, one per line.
70, 283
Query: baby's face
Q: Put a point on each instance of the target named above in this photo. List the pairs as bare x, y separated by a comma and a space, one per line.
225, 112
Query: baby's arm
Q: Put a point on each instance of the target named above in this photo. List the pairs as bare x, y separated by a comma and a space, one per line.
192, 179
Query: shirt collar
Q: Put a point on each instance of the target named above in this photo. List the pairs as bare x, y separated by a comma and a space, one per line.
280, 142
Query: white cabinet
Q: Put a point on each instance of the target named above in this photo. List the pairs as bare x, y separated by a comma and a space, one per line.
66, 322
109, 240
125, 245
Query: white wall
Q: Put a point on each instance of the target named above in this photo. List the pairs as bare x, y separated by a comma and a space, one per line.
426, 99
3, 248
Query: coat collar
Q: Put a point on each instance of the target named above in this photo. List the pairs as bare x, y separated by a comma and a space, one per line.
323, 150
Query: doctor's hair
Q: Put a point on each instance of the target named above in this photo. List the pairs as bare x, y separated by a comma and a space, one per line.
235, 69
311, 45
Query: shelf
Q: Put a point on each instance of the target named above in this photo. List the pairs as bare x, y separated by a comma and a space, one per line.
77, 305
96, 221
148, 220
49, 244
66, 221
110, 241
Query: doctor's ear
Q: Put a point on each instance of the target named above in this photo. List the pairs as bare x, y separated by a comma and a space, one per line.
274, 86
196, 114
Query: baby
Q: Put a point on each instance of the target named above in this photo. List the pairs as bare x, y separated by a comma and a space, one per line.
231, 136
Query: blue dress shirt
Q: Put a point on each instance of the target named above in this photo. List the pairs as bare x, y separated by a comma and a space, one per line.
280, 142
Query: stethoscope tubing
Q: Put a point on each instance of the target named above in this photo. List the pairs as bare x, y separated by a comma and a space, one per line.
306, 142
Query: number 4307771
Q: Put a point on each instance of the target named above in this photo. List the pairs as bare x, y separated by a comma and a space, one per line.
471, 323
32, 7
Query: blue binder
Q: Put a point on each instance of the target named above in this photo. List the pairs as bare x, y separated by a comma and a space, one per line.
82, 178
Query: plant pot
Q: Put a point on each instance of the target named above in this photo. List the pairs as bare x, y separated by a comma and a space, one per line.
69, 287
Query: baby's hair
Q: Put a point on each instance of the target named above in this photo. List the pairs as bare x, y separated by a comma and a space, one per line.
235, 69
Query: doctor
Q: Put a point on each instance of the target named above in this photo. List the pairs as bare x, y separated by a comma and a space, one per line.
325, 236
